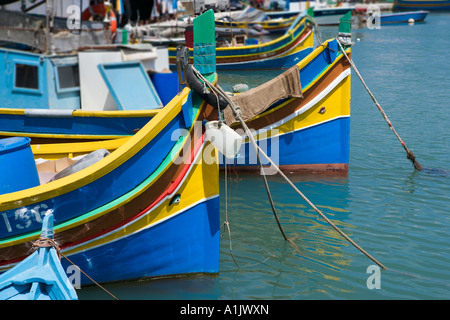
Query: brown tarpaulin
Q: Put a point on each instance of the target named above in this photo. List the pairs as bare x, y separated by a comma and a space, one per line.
257, 100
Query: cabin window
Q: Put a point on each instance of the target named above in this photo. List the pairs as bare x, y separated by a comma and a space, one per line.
26, 76
68, 77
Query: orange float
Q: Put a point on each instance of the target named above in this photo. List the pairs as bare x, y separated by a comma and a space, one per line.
100, 9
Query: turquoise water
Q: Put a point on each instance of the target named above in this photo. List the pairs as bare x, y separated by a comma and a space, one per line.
398, 215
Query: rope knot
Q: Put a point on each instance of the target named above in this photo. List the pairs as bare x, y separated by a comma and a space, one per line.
410, 155
237, 111
46, 243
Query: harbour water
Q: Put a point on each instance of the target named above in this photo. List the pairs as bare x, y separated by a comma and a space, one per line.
397, 214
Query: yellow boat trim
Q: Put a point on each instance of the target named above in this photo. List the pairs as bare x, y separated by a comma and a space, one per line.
301, 65
117, 113
264, 24
265, 44
102, 167
58, 136
253, 46
200, 183
306, 43
76, 221
99, 114
61, 150
339, 95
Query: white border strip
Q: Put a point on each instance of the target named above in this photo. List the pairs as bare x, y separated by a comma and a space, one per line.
194, 162
281, 55
308, 106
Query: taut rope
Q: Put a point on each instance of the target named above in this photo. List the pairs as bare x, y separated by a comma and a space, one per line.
237, 113
409, 154
48, 242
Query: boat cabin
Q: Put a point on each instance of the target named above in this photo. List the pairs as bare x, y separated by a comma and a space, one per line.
34, 80
116, 78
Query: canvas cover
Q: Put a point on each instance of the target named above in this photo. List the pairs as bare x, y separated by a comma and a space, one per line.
259, 99
251, 14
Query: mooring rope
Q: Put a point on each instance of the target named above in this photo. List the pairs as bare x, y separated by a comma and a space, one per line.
226, 223
237, 114
48, 242
409, 154
317, 33
274, 211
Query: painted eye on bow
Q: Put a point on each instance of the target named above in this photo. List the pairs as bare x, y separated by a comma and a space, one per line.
175, 199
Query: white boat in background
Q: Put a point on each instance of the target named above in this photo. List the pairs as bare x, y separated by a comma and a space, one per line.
324, 14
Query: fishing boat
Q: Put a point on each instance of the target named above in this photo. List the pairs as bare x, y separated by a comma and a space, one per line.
323, 13
329, 16
280, 53
422, 4
105, 93
252, 17
322, 16
41, 275
251, 32
301, 118
275, 25
403, 17
149, 208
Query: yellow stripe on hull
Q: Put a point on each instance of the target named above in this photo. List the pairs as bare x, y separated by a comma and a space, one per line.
339, 96
101, 168
70, 150
100, 114
336, 94
202, 182
306, 43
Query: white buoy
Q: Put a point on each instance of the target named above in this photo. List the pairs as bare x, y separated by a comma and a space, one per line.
411, 21
225, 139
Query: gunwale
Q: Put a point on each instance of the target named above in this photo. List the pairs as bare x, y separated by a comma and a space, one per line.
276, 47
115, 214
323, 80
275, 25
130, 206
97, 170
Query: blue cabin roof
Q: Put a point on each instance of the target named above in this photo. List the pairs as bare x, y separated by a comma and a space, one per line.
39, 81
33, 80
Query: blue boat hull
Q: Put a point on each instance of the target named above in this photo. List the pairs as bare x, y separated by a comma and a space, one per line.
192, 248
83, 126
284, 62
309, 133
422, 5
403, 17
309, 147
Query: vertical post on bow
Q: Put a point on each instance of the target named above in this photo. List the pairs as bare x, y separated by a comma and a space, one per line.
205, 43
